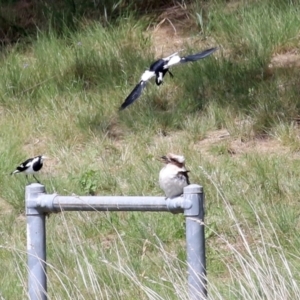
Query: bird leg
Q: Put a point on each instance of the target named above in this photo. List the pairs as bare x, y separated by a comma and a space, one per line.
35, 178
28, 179
170, 73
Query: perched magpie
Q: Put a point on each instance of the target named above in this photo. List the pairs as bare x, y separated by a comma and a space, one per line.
30, 166
159, 69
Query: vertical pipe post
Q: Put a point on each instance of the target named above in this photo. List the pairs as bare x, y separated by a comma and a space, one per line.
36, 244
195, 242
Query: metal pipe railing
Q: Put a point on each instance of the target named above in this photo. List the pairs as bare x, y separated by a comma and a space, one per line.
38, 204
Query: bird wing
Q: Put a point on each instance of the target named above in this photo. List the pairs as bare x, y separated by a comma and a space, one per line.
136, 93
184, 175
156, 66
198, 56
23, 166
170, 56
27, 163
176, 59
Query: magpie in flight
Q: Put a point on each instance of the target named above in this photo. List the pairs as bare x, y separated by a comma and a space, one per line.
159, 69
30, 166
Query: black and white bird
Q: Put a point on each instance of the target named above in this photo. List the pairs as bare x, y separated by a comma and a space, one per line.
159, 69
173, 177
30, 166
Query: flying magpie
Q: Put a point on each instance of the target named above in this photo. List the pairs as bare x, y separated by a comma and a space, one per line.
30, 166
159, 69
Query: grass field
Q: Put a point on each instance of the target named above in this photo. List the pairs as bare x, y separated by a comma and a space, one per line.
234, 116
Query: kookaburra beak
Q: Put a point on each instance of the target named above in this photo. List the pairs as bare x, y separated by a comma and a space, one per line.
163, 159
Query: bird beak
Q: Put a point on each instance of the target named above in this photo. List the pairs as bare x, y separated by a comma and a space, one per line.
163, 159
45, 157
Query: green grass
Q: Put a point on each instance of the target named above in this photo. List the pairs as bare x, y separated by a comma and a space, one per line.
60, 95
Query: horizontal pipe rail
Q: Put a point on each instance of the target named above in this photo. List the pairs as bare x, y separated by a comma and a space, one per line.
56, 203
111, 203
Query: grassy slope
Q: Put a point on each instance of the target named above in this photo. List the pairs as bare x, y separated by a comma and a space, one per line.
60, 96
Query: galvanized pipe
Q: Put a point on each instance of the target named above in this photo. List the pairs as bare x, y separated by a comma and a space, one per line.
195, 242
56, 203
36, 244
38, 203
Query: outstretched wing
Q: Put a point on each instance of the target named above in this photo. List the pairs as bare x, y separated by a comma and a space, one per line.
198, 56
23, 166
136, 93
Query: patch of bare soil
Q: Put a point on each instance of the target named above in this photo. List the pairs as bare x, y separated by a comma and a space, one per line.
173, 33
289, 59
5, 207
259, 145
236, 147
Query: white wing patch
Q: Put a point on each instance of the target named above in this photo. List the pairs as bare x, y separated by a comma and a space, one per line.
170, 56
174, 60
147, 75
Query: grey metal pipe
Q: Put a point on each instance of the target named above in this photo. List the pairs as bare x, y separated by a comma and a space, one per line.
36, 244
38, 203
111, 203
56, 203
195, 242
